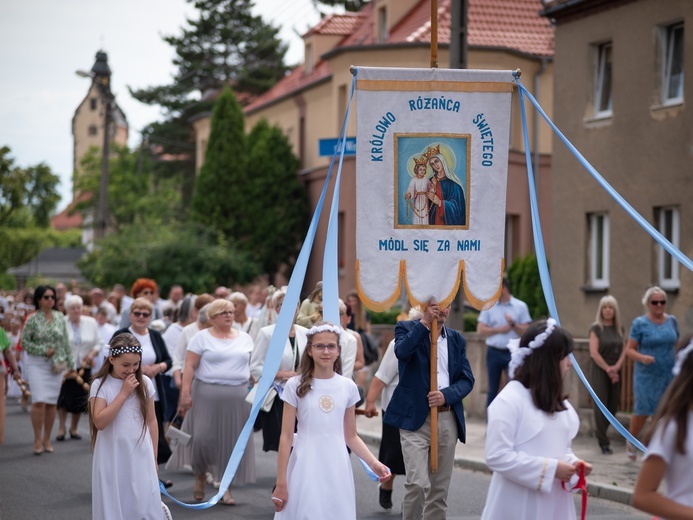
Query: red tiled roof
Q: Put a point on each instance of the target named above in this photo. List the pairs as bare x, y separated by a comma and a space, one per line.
69, 218
336, 25
295, 80
501, 24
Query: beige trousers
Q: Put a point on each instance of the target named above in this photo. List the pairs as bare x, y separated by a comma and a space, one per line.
426, 493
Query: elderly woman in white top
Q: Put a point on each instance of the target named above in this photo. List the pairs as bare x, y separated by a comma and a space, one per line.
86, 344
215, 384
295, 343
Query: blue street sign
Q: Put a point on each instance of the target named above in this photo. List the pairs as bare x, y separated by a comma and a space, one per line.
328, 147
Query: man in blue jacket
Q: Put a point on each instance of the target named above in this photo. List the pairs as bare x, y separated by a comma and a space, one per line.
409, 410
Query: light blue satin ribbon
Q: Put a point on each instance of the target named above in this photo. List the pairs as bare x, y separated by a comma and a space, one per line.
541, 253
284, 321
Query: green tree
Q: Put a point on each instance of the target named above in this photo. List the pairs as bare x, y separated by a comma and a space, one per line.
187, 254
225, 45
33, 188
220, 193
349, 5
525, 284
136, 195
275, 193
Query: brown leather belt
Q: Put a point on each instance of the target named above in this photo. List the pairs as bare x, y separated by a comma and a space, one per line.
445, 408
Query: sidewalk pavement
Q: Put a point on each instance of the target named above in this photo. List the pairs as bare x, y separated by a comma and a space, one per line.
612, 478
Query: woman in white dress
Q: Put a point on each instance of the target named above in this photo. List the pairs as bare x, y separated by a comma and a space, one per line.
124, 432
670, 449
323, 402
530, 429
215, 385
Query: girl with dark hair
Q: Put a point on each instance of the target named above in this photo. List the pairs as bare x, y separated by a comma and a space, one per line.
124, 436
530, 428
670, 450
45, 340
323, 402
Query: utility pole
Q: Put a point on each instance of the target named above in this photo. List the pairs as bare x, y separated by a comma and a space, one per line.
458, 34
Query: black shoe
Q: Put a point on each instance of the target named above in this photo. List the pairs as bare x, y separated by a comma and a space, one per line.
385, 497
606, 450
166, 484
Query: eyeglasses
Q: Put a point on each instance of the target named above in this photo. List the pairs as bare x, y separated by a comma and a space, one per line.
332, 347
138, 314
49, 297
658, 302
225, 313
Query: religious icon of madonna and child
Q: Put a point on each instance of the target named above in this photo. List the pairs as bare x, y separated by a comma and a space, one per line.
428, 190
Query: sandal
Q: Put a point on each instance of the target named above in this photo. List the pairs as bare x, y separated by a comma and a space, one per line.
199, 489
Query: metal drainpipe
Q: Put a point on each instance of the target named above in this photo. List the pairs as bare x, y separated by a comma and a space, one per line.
535, 137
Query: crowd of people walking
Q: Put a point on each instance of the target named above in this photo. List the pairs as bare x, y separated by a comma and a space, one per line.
138, 364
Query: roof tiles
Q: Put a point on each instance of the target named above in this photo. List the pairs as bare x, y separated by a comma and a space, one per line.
501, 24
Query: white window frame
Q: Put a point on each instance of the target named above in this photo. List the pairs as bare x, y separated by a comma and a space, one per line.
669, 40
669, 225
599, 241
603, 57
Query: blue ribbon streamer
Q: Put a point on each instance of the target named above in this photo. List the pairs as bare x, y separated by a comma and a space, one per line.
277, 343
541, 253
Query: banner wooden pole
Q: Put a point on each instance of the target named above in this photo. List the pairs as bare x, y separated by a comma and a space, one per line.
434, 387
434, 34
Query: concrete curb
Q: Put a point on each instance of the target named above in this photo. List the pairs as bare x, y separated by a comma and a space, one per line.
594, 489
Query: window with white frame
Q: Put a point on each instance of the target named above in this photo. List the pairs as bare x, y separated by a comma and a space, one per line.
598, 250
668, 222
382, 25
672, 64
602, 80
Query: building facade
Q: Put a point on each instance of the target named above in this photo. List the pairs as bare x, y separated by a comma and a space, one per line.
620, 98
310, 103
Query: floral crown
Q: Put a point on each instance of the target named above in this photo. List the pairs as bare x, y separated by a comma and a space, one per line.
324, 327
115, 351
518, 354
430, 152
681, 358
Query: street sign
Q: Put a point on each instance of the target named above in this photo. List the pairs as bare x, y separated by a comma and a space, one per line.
328, 147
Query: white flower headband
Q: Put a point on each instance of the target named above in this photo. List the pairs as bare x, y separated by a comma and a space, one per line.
325, 327
681, 357
518, 354
115, 351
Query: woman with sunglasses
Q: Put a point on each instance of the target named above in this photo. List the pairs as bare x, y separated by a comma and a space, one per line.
45, 340
651, 344
212, 397
155, 361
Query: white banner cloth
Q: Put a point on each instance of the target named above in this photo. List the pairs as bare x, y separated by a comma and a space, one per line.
431, 171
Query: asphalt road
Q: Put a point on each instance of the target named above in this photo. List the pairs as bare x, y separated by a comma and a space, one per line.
58, 486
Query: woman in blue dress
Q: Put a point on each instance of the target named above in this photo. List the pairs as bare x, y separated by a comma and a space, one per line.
651, 344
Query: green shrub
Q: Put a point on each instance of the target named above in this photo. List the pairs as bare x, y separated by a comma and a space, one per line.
388, 317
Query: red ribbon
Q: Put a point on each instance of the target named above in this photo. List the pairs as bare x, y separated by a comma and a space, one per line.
582, 486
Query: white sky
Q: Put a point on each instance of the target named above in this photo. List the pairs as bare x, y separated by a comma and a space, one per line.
43, 43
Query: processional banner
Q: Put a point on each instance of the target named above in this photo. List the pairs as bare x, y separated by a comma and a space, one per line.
431, 171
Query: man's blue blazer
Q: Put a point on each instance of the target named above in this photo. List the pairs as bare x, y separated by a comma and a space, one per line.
408, 407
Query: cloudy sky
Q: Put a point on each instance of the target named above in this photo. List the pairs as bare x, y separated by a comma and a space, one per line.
43, 43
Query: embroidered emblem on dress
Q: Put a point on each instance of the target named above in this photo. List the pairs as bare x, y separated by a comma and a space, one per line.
326, 403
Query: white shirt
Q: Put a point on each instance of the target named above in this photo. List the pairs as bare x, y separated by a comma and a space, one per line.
222, 361
677, 477
171, 340
443, 370
349, 345
188, 333
495, 317
388, 373
148, 354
